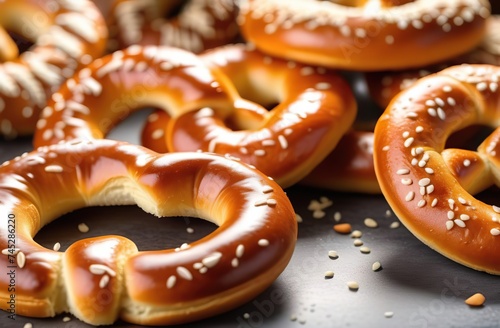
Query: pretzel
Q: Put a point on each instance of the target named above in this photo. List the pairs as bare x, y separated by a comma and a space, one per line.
430, 187
198, 25
102, 278
65, 34
364, 35
383, 86
315, 108
99, 96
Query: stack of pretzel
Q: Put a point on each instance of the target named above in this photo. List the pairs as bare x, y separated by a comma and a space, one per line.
235, 124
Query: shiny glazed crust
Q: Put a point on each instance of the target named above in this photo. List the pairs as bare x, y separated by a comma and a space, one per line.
199, 24
383, 86
99, 96
315, 108
253, 244
364, 35
66, 35
431, 188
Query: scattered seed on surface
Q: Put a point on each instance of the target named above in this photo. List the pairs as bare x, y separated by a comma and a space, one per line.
364, 250
28, 325
388, 314
318, 214
293, 317
298, 218
356, 234
246, 315
358, 242
189, 230
329, 274
376, 266
475, 300
333, 254
352, 285
66, 319
343, 228
82, 227
394, 225
370, 223
337, 216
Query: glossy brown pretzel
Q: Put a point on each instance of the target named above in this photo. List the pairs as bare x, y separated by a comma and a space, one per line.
315, 108
364, 35
253, 244
430, 187
65, 35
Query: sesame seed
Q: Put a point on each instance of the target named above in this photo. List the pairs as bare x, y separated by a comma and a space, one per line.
424, 182
495, 231
337, 216
434, 202
356, 234
403, 171
240, 249
464, 217
56, 247
459, 223
323, 86
466, 162
376, 266
421, 203
171, 281
353, 285
189, 230
364, 250
66, 319
298, 218
409, 197
184, 273
496, 208
53, 169
263, 242
104, 281
357, 242
394, 225
408, 142
333, 254
28, 325
370, 223
21, 259
388, 314
329, 274
235, 262
212, 260
449, 225
406, 181
100, 269
82, 227
419, 129
450, 215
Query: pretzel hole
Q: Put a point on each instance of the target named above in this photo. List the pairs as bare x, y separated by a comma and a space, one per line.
469, 138
147, 231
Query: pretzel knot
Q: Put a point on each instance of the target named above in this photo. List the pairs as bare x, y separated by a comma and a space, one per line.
102, 278
315, 108
431, 187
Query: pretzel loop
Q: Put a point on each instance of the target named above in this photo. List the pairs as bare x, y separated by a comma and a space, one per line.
429, 187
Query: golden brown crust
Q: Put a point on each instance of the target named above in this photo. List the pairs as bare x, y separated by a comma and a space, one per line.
66, 35
383, 86
356, 37
253, 244
315, 108
197, 25
421, 179
99, 96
